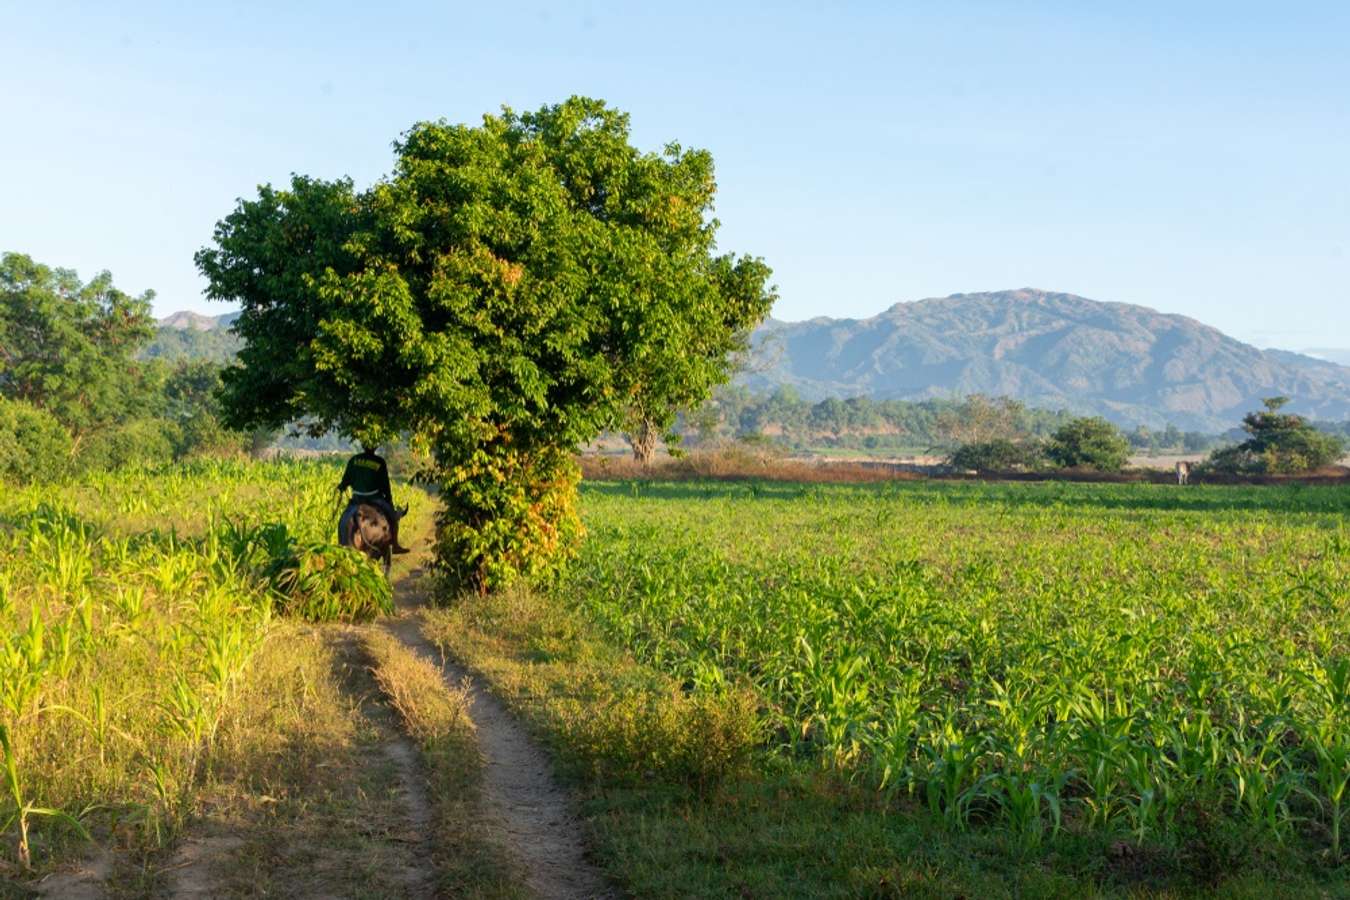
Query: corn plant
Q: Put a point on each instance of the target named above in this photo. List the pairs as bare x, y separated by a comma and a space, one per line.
23, 810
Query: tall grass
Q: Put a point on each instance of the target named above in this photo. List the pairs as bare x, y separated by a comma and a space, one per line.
130, 604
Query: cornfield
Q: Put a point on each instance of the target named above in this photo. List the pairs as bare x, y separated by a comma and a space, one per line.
130, 604
1138, 660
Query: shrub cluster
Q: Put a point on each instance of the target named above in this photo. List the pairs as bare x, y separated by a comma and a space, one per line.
507, 514
138, 441
1280, 443
317, 581
998, 455
1088, 443
33, 445
1085, 443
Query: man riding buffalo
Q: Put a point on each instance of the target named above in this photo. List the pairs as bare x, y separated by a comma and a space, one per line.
367, 475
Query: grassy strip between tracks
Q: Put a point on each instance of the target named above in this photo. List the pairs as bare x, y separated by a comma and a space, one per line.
470, 859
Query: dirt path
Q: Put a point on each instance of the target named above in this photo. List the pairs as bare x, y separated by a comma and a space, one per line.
345, 810
522, 799
356, 821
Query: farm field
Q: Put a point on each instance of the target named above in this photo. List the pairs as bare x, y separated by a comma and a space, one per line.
157, 663
981, 688
761, 689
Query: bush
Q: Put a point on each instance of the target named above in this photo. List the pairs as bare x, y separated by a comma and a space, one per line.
1234, 459
33, 445
316, 581
1279, 444
329, 583
1088, 443
998, 455
137, 442
505, 515
204, 435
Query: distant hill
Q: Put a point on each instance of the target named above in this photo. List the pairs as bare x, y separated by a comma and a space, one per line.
189, 335
197, 321
1131, 364
186, 319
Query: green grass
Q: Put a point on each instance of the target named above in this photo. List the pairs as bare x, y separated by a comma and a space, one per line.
132, 605
913, 688
1034, 689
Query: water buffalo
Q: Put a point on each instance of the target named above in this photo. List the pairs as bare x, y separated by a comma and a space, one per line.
366, 527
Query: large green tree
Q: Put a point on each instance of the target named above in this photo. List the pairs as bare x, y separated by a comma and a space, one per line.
67, 346
509, 291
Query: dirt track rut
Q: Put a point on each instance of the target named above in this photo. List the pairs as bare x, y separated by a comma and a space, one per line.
521, 797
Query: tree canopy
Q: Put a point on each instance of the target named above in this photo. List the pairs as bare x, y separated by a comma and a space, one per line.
78, 392
1090, 443
67, 346
509, 291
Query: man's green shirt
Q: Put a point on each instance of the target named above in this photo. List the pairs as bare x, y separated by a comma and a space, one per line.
367, 476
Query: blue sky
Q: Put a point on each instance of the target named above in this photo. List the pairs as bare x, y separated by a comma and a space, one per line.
1193, 157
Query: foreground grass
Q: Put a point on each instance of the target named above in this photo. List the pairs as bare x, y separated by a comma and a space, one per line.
345, 768
668, 821
136, 609
302, 797
1180, 610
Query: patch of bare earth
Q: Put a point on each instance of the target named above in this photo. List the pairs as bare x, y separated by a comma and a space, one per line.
530, 813
82, 882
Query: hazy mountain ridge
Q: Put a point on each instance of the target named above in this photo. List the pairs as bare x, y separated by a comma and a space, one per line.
197, 321
1339, 355
1130, 363
190, 335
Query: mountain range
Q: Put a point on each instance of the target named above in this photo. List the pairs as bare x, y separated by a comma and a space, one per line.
1131, 364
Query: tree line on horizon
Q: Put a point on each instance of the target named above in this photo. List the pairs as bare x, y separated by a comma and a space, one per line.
1275, 443
864, 423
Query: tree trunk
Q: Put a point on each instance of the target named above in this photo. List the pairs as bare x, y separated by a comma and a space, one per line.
644, 439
